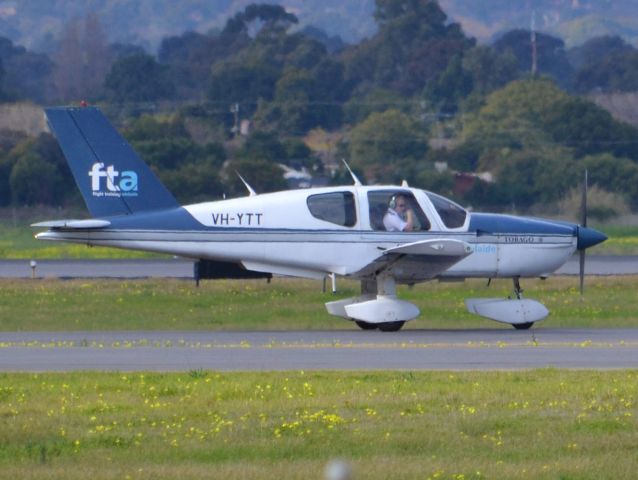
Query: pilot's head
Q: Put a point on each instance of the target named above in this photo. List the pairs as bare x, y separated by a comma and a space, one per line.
399, 203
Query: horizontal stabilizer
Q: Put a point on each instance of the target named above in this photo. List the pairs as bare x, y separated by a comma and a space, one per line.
505, 310
73, 224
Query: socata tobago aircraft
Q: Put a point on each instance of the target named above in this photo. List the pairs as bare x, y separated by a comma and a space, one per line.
312, 233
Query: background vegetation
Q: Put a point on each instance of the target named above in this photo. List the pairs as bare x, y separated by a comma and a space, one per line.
418, 98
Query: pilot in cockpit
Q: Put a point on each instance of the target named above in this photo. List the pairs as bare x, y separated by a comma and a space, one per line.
399, 217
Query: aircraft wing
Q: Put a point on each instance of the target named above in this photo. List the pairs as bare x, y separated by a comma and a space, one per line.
418, 261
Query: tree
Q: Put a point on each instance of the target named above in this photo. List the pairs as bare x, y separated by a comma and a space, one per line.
244, 83
189, 170
8, 141
589, 129
139, 78
1, 78
551, 54
68, 71
39, 175
263, 175
489, 69
613, 174
594, 50
511, 119
27, 75
387, 146
537, 139
414, 44
530, 177
263, 146
531, 114
617, 72
82, 60
149, 127
259, 17
296, 107
32, 181
97, 56
190, 57
194, 182
449, 88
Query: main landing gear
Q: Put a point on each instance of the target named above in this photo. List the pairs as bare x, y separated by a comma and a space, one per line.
377, 307
384, 326
518, 292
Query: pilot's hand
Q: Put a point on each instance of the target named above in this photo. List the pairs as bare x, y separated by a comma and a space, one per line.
409, 218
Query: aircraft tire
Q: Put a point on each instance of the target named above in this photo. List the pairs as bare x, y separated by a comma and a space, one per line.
366, 325
390, 326
523, 326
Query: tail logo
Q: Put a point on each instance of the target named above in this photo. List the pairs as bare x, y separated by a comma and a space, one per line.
118, 184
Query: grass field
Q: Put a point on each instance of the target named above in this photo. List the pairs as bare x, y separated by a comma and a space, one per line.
168, 304
543, 424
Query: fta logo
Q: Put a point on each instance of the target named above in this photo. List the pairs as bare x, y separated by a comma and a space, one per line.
117, 184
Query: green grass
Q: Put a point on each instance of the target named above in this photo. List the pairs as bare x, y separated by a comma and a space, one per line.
543, 424
623, 240
54, 305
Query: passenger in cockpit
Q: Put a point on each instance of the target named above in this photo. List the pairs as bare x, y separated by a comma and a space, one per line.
399, 217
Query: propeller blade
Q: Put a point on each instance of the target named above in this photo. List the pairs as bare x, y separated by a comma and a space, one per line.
581, 271
581, 259
583, 202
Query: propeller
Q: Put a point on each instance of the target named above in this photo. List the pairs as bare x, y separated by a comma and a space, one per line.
583, 222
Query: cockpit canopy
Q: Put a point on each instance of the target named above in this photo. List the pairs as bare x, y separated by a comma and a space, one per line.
346, 208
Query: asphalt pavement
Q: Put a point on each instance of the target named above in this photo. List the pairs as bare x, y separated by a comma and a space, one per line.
183, 268
484, 349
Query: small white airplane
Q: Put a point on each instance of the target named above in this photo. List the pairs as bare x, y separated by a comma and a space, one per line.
381, 235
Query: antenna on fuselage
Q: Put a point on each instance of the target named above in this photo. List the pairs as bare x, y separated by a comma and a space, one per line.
251, 192
404, 184
357, 182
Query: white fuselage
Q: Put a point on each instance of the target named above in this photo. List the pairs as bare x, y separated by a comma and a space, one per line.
278, 233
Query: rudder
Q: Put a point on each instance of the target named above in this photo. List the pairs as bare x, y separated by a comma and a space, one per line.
112, 178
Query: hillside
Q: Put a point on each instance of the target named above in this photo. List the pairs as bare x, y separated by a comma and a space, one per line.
574, 21
146, 22
37, 25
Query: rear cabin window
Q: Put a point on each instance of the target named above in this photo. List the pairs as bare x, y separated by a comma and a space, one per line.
337, 208
452, 215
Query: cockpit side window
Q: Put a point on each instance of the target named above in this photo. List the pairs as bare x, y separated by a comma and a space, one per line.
452, 215
381, 201
337, 207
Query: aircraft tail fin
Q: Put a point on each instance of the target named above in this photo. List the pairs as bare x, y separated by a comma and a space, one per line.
112, 178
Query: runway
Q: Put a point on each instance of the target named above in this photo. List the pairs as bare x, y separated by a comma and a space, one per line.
183, 268
483, 349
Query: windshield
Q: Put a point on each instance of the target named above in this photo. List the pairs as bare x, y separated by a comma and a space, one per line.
452, 215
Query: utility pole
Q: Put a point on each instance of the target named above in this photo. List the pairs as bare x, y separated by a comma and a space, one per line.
534, 51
